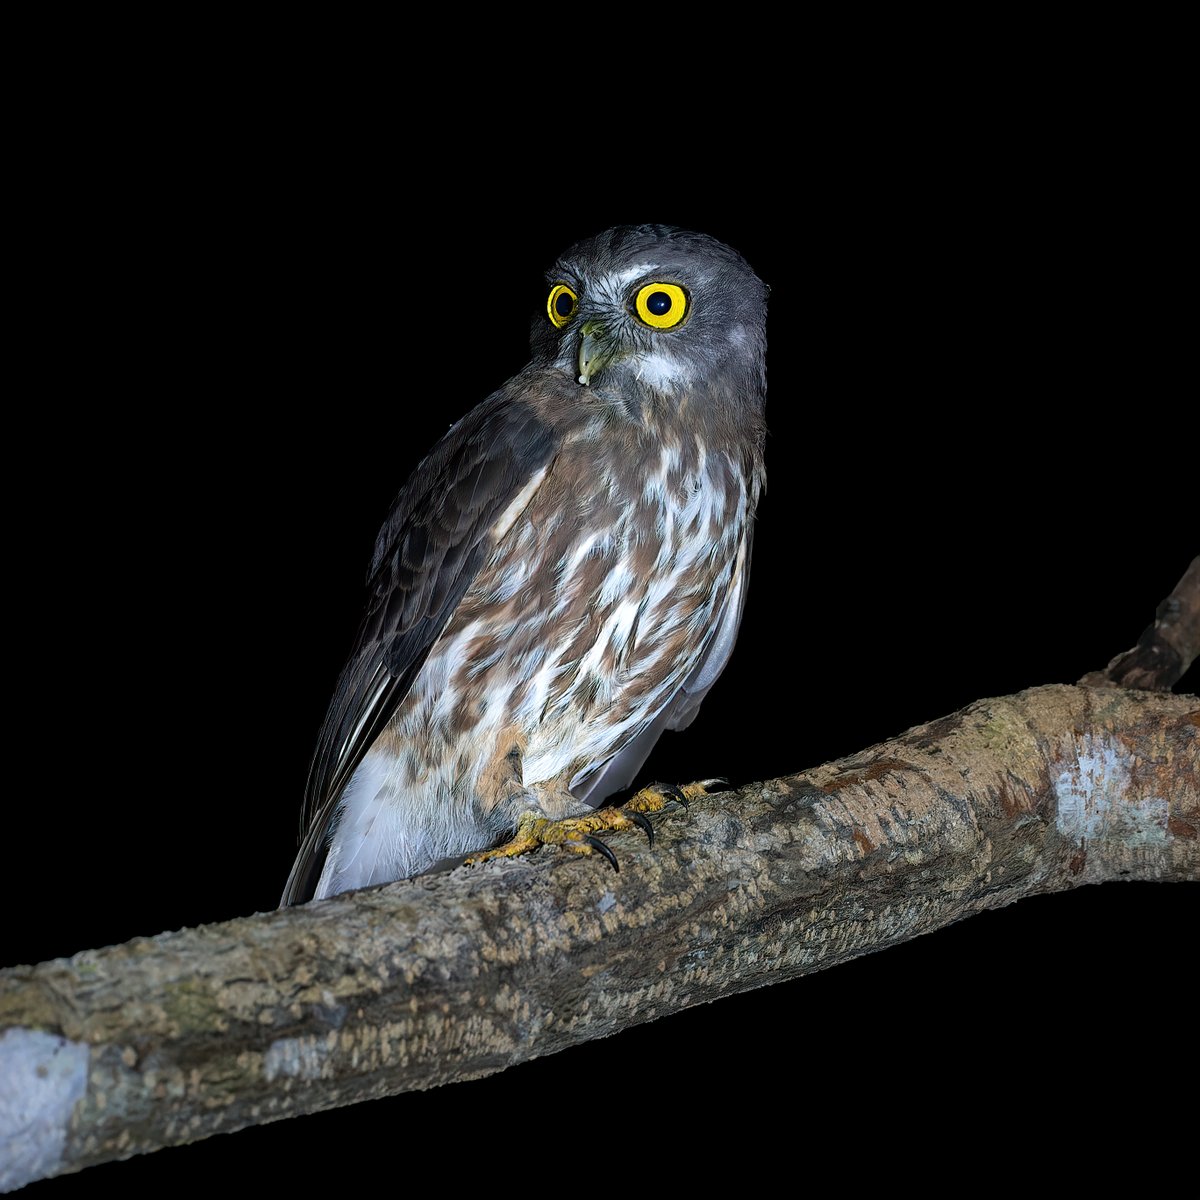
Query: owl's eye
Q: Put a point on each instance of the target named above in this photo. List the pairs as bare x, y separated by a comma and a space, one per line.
661, 305
561, 305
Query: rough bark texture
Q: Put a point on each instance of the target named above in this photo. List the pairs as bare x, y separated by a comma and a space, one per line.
1166, 649
169, 1039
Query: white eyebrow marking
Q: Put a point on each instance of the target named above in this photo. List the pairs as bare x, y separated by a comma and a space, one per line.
622, 278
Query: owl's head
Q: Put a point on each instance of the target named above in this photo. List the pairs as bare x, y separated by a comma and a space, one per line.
652, 309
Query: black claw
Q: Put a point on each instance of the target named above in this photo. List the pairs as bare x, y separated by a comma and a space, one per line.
669, 789
722, 784
600, 848
644, 825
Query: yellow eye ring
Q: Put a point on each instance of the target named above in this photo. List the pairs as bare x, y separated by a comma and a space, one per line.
661, 305
561, 305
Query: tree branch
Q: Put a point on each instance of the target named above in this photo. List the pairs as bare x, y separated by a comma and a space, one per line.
1166, 649
167, 1040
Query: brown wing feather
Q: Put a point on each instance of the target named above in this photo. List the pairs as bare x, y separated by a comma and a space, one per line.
431, 547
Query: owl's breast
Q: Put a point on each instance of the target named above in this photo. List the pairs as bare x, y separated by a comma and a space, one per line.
601, 601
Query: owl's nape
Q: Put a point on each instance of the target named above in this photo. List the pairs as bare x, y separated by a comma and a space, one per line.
560, 581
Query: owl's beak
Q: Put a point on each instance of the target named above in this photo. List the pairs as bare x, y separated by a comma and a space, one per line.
595, 350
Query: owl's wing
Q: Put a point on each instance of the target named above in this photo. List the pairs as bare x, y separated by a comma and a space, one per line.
433, 544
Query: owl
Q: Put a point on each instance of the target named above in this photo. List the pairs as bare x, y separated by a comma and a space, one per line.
561, 579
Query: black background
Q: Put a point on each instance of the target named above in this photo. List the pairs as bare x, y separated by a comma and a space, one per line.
981, 478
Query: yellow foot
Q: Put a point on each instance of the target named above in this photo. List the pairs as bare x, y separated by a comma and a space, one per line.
657, 796
576, 833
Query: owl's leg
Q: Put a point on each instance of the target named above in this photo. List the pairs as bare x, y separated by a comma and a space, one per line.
577, 834
572, 833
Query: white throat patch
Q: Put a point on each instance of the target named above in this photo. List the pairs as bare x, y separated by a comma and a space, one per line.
662, 371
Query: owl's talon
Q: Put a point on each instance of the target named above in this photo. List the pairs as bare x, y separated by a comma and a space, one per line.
667, 789
655, 797
644, 825
600, 848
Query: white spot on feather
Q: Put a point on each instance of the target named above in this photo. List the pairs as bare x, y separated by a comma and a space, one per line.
42, 1078
517, 505
617, 583
582, 549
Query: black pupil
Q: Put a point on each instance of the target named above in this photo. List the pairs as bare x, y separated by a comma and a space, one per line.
659, 303
563, 304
